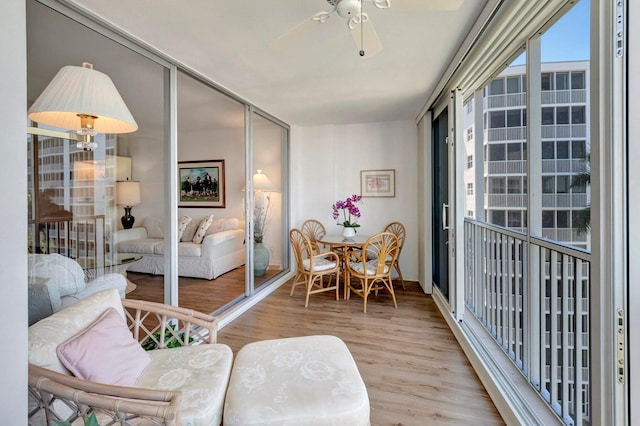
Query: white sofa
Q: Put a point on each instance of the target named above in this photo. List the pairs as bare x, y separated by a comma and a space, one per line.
221, 250
56, 282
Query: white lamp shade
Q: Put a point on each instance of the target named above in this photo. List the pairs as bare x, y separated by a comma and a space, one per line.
80, 90
128, 193
261, 182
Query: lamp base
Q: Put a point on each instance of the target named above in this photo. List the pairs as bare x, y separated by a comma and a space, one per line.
127, 220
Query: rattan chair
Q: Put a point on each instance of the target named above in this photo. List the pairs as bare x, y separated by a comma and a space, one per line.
312, 267
314, 231
372, 267
398, 230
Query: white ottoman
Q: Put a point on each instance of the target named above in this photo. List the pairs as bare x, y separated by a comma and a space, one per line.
298, 381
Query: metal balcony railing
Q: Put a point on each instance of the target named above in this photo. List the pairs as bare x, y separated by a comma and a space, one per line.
532, 296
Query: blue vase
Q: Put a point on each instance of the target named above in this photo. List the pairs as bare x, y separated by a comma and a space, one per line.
260, 259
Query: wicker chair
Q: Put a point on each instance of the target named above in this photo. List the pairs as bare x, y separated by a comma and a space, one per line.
312, 267
398, 229
56, 395
314, 231
372, 266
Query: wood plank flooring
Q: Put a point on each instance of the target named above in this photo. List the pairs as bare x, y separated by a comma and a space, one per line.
414, 369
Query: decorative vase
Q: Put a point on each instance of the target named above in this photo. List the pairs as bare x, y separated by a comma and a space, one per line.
260, 259
348, 232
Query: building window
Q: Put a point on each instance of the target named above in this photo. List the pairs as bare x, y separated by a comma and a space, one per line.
578, 115
496, 119
513, 84
497, 185
469, 161
578, 150
562, 81
514, 151
546, 81
548, 219
514, 185
470, 188
562, 115
496, 152
514, 219
577, 80
563, 182
547, 116
548, 150
496, 87
497, 217
562, 219
548, 184
469, 133
562, 150
514, 118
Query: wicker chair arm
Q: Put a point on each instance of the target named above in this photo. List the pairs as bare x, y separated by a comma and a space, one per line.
84, 397
193, 327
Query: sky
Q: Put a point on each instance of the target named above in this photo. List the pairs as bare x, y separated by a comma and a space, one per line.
567, 39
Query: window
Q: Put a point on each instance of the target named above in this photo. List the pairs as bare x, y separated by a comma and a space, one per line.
514, 185
562, 115
562, 219
513, 84
562, 81
514, 118
470, 188
578, 150
546, 81
496, 185
547, 116
496, 87
469, 133
514, 151
577, 80
496, 152
514, 219
497, 217
562, 150
548, 219
548, 150
578, 115
563, 183
548, 184
496, 119
469, 161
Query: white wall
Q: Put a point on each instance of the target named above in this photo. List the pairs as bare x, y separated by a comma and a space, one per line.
13, 236
326, 162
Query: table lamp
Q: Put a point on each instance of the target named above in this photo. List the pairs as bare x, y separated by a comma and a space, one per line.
127, 195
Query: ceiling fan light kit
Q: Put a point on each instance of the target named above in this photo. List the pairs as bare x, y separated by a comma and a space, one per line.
358, 22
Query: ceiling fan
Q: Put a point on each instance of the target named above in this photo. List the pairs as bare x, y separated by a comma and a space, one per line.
358, 22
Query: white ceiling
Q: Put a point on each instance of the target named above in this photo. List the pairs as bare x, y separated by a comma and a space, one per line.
318, 80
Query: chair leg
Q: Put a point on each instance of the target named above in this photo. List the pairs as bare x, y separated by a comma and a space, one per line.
397, 267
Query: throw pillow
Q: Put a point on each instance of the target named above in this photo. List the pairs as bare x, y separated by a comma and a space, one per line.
105, 352
202, 229
182, 225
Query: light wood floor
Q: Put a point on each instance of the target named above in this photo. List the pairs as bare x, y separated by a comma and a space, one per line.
414, 369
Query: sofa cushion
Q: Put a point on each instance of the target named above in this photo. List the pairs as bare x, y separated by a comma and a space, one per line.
154, 226
48, 333
190, 230
216, 226
64, 271
201, 372
146, 246
183, 221
184, 249
202, 229
105, 352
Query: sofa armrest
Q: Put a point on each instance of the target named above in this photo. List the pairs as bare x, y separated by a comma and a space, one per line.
212, 241
139, 233
193, 327
116, 401
105, 282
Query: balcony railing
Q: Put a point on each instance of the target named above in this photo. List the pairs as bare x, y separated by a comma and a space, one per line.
532, 296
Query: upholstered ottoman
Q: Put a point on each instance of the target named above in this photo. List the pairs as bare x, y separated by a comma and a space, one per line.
298, 381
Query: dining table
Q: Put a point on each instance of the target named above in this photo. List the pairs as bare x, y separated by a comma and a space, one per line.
342, 245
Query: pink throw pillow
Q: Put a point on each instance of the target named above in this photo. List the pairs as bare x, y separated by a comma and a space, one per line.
105, 352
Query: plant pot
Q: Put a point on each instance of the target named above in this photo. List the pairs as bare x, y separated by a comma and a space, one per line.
348, 232
260, 259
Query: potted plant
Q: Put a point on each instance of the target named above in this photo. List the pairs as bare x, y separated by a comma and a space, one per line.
350, 214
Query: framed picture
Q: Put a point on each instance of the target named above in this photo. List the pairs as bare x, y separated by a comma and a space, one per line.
201, 184
378, 183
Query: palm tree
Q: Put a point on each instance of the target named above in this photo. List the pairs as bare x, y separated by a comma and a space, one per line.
582, 179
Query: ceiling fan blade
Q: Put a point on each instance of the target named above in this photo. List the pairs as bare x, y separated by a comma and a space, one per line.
420, 4
299, 30
365, 37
